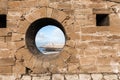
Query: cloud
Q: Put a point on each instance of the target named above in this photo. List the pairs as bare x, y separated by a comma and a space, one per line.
58, 36
40, 39
51, 35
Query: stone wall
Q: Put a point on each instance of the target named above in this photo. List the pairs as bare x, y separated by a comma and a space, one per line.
90, 50
48, 76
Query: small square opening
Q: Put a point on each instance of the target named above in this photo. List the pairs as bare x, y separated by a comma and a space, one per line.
2, 20
102, 20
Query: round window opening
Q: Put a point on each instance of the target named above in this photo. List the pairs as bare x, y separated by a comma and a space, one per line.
45, 36
50, 40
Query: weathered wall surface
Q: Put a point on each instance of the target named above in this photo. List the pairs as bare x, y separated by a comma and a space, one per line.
89, 48
63, 77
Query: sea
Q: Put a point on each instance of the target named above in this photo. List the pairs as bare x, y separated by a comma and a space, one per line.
47, 52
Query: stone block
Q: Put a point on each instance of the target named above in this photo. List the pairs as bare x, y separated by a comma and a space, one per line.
91, 52
39, 13
64, 6
77, 29
70, 43
53, 0
8, 39
14, 5
84, 11
114, 37
19, 44
3, 11
101, 11
19, 68
73, 68
88, 69
98, 38
62, 16
3, 45
2, 39
110, 77
103, 60
97, 43
69, 29
53, 5
61, 69
36, 14
11, 45
57, 77
5, 53
96, 5
58, 15
13, 15
39, 70
49, 12
3, 3
72, 77
28, 4
3, 32
43, 3
74, 36
26, 77
104, 68
103, 29
7, 62
31, 62
23, 54
23, 26
68, 23
84, 77
89, 30
115, 29
108, 52
7, 77
17, 37
88, 60
97, 76
114, 26
42, 78
5, 69
86, 37
73, 58
3, 6
81, 45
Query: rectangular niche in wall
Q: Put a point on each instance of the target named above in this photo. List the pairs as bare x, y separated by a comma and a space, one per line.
3, 21
102, 20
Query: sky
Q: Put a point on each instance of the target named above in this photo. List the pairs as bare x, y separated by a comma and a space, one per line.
49, 34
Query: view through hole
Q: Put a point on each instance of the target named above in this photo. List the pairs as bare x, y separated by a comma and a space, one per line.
50, 40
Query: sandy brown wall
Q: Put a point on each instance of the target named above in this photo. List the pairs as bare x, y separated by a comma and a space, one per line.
89, 48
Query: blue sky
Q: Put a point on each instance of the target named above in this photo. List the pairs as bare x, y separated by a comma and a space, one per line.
49, 34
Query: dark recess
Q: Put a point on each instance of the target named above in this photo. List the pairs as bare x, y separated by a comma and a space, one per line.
102, 20
3, 21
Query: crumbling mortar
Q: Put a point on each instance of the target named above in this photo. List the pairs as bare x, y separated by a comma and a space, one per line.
28, 71
91, 76
22, 18
20, 48
118, 76
67, 18
20, 78
64, 77
51, 76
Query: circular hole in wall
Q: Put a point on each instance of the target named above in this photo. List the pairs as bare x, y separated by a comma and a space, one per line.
50, 40
45, 36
